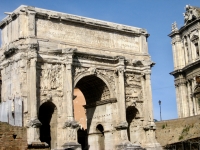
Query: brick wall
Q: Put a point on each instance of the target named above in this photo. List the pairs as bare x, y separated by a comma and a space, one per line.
12, 137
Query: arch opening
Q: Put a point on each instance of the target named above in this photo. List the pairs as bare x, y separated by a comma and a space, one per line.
100, 129
93, 89
101, 137
48, 118
131, 114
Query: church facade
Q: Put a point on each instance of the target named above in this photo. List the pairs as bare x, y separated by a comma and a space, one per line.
186, 54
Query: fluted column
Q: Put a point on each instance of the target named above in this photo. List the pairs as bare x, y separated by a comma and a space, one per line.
69, 92
70, 126
34, 124
122, 123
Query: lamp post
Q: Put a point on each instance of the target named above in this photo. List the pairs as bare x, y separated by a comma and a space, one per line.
159, 102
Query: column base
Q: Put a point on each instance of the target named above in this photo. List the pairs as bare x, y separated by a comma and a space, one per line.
127, 145
72, 145
38, 145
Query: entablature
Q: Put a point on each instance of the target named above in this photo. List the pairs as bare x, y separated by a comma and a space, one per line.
46, 14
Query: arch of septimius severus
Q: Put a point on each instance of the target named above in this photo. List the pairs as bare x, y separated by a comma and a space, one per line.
46, 54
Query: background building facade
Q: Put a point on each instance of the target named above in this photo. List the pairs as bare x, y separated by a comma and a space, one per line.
186, 54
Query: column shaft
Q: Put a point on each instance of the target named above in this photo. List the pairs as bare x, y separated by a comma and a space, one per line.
33, 89
189, 99
69, 93
178, 101
175, 56
189, 49
193, 99
149, 96
122, 97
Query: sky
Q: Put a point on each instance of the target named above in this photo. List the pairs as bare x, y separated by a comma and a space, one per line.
156, 16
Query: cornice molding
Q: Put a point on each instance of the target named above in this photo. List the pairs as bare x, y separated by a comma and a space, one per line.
46, 14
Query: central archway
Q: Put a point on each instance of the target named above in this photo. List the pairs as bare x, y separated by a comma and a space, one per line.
95, 91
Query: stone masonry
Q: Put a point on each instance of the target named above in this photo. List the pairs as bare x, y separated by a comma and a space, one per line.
45, 55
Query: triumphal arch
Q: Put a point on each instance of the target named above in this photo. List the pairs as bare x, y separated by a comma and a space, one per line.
45, 55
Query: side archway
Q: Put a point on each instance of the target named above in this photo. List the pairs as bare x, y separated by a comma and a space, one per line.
48, 118
131, 115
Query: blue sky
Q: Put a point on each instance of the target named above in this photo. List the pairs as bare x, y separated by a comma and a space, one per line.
154, 15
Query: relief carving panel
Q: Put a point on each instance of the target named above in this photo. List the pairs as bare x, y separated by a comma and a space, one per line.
133, 89
49, 81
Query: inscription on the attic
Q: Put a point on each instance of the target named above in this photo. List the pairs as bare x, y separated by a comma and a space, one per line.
85, 36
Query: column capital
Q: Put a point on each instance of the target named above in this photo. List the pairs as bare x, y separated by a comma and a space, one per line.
34, 123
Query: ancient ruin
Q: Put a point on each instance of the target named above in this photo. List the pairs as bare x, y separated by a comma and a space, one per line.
45, 55
186, 47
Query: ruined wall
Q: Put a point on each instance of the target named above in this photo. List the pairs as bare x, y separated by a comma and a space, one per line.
12, 137
177, 130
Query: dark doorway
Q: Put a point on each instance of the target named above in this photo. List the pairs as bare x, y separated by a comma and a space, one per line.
101, 137
47, 116
131, 113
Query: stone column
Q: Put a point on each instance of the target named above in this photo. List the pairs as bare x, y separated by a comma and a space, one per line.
199, 39
70, 126
183, 99
189, 99
150, 127
121, 93
189, 49
34, 124
149, 96
193, 98
185, 51
178, 102
122, 123
174, 56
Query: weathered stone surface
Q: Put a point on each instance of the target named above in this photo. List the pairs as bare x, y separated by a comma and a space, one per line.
177, 130
52, 53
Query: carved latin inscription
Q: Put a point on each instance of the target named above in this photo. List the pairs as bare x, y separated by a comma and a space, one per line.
85, 36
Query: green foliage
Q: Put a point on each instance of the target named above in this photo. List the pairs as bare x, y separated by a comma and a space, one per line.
180, 137
185, 131
163, 126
